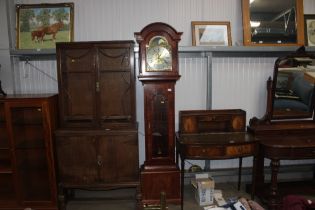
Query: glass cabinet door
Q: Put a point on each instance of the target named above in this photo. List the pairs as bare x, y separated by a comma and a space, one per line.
31, 161
7, 191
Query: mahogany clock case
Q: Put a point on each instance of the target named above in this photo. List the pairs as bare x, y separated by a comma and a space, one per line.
159, 174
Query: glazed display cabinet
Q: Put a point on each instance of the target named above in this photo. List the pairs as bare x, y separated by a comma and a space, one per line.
27, 173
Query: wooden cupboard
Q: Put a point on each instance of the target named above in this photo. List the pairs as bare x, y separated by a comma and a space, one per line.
97, 141
27, 172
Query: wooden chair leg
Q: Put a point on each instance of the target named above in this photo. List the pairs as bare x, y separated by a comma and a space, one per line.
239, 173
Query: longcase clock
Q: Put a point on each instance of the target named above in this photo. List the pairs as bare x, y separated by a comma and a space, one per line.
158, 56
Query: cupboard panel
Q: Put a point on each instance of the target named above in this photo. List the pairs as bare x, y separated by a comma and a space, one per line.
115, 100
115, 59
78, 97
77, 159
122, 158
78, 60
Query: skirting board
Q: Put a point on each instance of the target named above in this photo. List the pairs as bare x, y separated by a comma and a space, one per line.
286, 173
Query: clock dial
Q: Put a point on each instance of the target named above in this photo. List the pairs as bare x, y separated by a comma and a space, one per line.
158, 55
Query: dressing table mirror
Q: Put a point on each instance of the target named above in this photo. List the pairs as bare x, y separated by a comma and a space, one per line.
273, 22
287, 130
291, 93
293, 86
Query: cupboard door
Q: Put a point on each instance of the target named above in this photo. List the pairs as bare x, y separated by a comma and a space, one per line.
77, 159
116, 79
119, 154
7, 189
77, 83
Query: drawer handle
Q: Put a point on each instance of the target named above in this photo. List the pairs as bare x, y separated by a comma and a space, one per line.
203, 150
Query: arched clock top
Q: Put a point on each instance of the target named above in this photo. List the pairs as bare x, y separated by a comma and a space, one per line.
158, 52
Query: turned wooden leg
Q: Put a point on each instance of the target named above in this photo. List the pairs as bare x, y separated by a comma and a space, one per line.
260, 174
273, 202
254, 172
239, 173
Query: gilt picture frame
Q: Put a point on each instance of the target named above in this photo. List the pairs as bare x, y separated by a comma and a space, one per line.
208, 33
40, 26
309, 29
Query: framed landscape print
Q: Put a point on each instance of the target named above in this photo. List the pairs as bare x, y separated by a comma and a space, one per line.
205, 33
309, 29
40, 26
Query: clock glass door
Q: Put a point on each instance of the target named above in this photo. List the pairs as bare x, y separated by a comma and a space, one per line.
159, 103
160, 126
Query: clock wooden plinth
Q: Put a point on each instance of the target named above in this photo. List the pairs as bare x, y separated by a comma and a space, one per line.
157, 180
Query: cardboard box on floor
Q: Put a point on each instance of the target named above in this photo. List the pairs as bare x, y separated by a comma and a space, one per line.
204, 189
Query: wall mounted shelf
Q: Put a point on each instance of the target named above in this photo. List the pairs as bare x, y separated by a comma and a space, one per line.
184, 51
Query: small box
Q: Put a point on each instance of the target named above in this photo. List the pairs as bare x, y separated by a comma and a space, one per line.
204, 189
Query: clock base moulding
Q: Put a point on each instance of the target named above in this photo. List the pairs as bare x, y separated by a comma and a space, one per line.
157, 181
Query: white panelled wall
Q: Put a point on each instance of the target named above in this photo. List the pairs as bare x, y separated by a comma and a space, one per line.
237, 82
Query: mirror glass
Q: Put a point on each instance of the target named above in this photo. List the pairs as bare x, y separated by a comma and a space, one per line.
273, 22
294, 79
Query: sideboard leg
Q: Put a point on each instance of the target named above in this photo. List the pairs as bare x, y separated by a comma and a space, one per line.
273, 201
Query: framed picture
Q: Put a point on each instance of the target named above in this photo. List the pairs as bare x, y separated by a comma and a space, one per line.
309, 23
40, 26
205, 33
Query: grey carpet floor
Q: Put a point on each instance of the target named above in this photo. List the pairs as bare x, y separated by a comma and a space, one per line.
123, 199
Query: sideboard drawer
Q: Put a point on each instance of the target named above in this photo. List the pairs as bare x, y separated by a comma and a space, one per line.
200, 151
240, 150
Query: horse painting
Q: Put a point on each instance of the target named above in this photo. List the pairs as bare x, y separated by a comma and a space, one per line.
48, 30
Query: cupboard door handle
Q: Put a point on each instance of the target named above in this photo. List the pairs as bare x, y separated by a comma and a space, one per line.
99, 160
97, 87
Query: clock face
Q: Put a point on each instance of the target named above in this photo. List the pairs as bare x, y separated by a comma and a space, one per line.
158, 55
